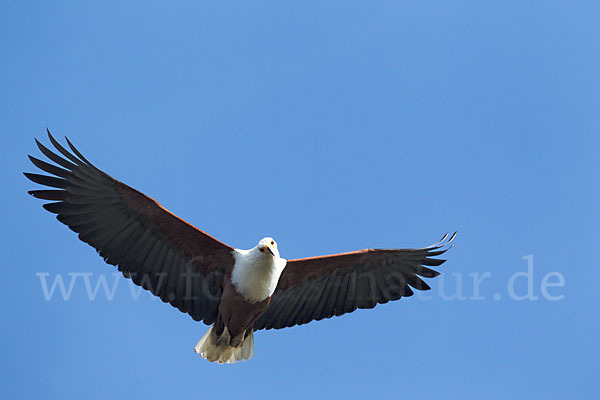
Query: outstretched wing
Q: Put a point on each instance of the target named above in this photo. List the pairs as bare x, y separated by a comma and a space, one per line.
311, 289
157, 250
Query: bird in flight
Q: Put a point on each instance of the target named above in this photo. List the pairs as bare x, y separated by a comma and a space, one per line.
235, 291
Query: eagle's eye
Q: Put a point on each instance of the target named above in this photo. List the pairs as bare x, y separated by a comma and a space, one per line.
272, 243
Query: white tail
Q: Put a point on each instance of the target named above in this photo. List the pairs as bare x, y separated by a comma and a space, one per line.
217, 349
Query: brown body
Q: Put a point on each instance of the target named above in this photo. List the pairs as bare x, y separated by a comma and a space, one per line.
237, 314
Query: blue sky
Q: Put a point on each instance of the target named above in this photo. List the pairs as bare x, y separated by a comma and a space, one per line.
331, 126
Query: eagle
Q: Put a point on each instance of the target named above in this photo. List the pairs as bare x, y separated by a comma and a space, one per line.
235, 291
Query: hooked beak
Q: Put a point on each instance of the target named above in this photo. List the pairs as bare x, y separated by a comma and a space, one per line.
268, 248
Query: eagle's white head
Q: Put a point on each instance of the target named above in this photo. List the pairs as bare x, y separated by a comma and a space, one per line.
256, 271
268, 247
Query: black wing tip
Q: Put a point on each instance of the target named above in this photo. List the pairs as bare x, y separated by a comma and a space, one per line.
444, 242
52, 139
38, 143
78, 153
434, 250
31, 176
78, 158
52, 207
46, 194
64, 151
68, 160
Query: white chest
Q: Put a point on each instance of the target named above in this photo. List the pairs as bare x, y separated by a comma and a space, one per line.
255, 276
